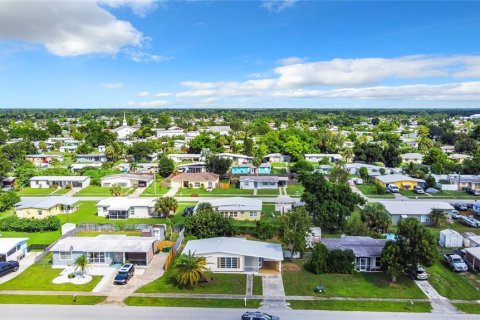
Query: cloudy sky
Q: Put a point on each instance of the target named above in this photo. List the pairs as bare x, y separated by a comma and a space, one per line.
259, 54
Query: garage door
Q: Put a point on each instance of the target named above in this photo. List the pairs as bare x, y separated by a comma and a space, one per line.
138, 258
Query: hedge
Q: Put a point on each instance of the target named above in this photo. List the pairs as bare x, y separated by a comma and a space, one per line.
13, 223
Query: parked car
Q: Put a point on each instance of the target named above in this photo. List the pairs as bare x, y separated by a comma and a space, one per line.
256, 315
124, 274
393, 188
455, 262
418, 189
456, 214
473, 192
7, 188
469, 221
460, 206
8, 266
418, 274
187, 211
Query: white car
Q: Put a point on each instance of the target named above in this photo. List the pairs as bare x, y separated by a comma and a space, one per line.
393, 188
418, 189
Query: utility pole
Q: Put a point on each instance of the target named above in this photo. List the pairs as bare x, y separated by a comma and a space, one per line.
154, 182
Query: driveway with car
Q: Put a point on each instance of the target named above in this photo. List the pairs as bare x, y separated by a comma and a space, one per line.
24, 264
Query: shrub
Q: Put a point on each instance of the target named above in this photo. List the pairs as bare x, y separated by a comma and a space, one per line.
264, 230
318, 262
340, 261
13, 223
380, 189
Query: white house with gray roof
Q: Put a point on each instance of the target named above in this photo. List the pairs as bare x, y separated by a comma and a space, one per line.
127, 180
124, 208
59, 181
416, 208
238, 208
262, 182
237, 255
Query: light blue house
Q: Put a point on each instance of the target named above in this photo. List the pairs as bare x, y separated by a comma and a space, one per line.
96, 157
245, 168
265, 168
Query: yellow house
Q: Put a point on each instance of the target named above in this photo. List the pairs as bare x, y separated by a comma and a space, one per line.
43, 159
238, 208
41, 207
403, 182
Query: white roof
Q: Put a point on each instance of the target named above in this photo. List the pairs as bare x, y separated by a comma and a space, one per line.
414, 207
391, 178
59, 178
412, 155
236, 246
45, 202
326, 155
474, 251
235, 203
105, 243
8, 243
124, 203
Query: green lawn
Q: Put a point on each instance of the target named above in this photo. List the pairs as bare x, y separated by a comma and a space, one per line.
39, 277
257, 286
61, 192
96, 191
7, 213
295, 189
381, 306
192, 302
473, 308
232, 191
452, 285
32, 192
457, 226
268, 192
47, 299
222, 283
370, 190
149, 191
44, 238
358, 285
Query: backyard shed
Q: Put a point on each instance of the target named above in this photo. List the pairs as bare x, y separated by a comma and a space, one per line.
449, 238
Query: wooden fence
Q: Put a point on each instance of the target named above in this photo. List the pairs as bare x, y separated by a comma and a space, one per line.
175, 247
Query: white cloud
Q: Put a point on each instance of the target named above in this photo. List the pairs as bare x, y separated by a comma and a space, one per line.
290, 60
278, 5
117, 85
163, 94
141, 56
139, 7
144, 94
149, 104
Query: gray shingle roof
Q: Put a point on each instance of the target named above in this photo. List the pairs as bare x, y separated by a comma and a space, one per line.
361, 246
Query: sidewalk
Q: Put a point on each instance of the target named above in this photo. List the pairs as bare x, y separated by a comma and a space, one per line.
439, 304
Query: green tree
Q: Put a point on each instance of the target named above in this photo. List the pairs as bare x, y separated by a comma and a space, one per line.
81, 263
302, 165
338, 174
390, 260
207, 223
190, 269
363, 171
141, 150
318, 261
166, 206
165, 166
355, 226
376, 217
217, 165
115, 190
295, 227
438, 218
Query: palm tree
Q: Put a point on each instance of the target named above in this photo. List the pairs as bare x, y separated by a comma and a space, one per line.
190, 269
438, 217
81, 262
133, 166
166, 206
116, 190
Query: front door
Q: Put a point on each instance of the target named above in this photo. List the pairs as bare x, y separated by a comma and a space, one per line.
363, 264
118, 257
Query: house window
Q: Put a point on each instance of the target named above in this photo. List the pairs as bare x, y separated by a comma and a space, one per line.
229, 263
196, 184
65, 255
253, 214
132, 211
11, 251
246, 183
96, 257
39, 212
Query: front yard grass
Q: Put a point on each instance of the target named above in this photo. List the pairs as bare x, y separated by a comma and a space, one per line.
96, 191
357, 285
192, 302
453, 285
39, 276
295, 189
473, 308
47, 299
380, 306
269, 192
257, 285
232, 191
43, 238
150, 191
370, 190
35, 192
61, 192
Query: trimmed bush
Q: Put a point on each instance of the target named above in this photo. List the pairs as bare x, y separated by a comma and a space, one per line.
13, 223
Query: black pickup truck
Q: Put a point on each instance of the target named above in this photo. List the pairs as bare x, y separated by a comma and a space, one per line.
7, 267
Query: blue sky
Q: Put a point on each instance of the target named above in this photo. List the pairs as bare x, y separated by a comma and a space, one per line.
175, 54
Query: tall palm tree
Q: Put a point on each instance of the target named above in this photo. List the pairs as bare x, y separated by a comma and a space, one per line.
438, 217
166, 206
190, 269
81, 262
116, 190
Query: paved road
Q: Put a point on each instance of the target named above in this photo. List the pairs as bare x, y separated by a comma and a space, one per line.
103, 312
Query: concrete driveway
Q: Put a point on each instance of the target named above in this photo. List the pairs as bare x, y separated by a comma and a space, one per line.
439, 303
273, 292
24, 264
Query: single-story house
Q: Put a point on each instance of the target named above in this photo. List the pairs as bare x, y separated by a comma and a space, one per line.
170, 132
236, 158
238, 208
41, 160
59, 181
262, 182
277, 157
470, 181
94, 157
194, 167
180, 157
448, 149
458, 157
124, 208
415, 208
316, 157
412, 157
237, 254
43, 207
13, 249
127, 180
205, 180
75, 167
472, 257
244, 168
354, 168
147, 168
223, 130
367, 250
265, 168
403, 182
68, 149
104, 250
